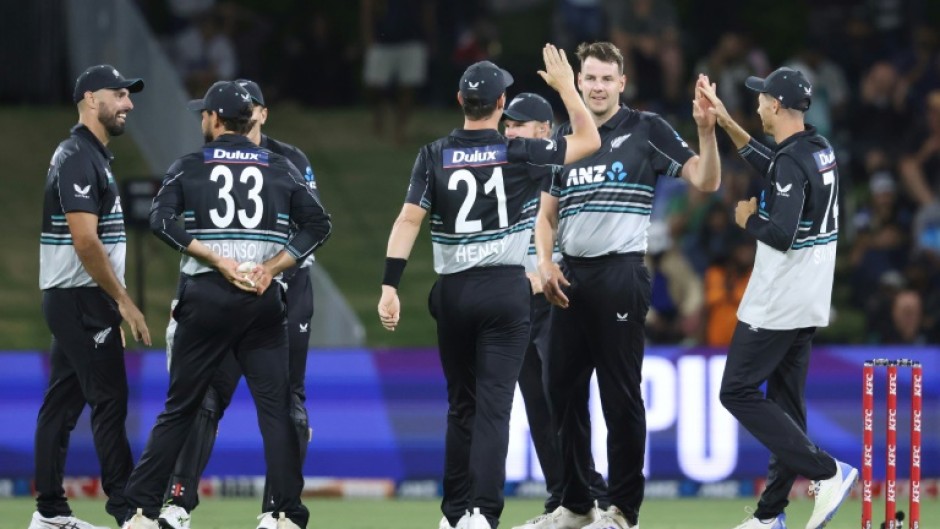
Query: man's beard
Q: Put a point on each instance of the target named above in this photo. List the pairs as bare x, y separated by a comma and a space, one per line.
111, 124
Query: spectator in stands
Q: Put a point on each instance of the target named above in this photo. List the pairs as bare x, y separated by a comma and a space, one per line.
883, 240
729, 63
907, 315
920, 168
725, 282
878, 121
676, 301
648, 37
205, 53
709, 239
878, 305
579, 21
395, 37
920, 67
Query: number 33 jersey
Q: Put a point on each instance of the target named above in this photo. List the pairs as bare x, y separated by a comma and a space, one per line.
239, 200
482, 192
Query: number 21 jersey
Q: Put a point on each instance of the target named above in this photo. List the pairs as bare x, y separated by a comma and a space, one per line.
482, 192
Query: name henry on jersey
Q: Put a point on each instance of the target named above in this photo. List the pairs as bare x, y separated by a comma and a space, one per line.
474, 156
217, 155
471, 253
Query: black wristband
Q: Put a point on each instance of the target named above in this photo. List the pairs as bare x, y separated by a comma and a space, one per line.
394, 267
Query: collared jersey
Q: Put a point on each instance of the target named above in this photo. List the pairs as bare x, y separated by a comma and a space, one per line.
240, 200
797, 227
482, 192
79, 179
605, 200
300, 161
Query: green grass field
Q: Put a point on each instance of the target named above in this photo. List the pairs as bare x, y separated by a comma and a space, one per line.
418, 514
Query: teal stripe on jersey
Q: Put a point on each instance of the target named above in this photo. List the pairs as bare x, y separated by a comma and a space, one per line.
817, 242
588, 208
240, 237
806, 223
55, 242
436, 237
605, 183
283, 216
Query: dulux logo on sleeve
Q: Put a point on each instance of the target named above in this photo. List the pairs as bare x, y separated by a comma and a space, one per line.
825, 159
475, 156
251, 156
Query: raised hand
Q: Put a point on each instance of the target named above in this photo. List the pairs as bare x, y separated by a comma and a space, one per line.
558, 73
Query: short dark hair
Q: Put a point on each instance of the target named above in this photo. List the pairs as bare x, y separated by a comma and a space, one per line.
240, 125
602, 51
476, 109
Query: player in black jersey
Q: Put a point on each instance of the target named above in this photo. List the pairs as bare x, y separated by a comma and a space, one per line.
529, 115
81, 274
237, 202
600, 209
182, 495
789, 294
482, 197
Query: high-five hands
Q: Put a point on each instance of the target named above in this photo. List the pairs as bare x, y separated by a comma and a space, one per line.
701, 106
706, 97
558, 73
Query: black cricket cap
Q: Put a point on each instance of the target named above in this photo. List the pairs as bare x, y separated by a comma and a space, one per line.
528, 107
484, 81
226, 98
786, 85
253, 89
103, 76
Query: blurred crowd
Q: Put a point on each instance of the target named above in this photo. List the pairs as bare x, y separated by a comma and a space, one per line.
875, 68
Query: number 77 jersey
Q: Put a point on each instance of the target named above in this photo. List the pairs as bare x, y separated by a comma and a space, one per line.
797, 228
244, 202
482, 192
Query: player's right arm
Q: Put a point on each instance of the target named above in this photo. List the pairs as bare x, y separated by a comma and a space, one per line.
402, 238
164, 223
82, 218
755, 153
584, 139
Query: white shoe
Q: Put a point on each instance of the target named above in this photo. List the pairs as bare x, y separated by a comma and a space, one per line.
612, 518
562, 518
753, 523
267, 521
461, 523
174, 516
58, 522
477, 520
542, 520
830, 493
139, 521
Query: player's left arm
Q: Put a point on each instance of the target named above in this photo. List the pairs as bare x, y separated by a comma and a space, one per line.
313, 224
777, 227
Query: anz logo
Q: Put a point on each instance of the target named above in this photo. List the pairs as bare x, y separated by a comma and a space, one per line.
595, 174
